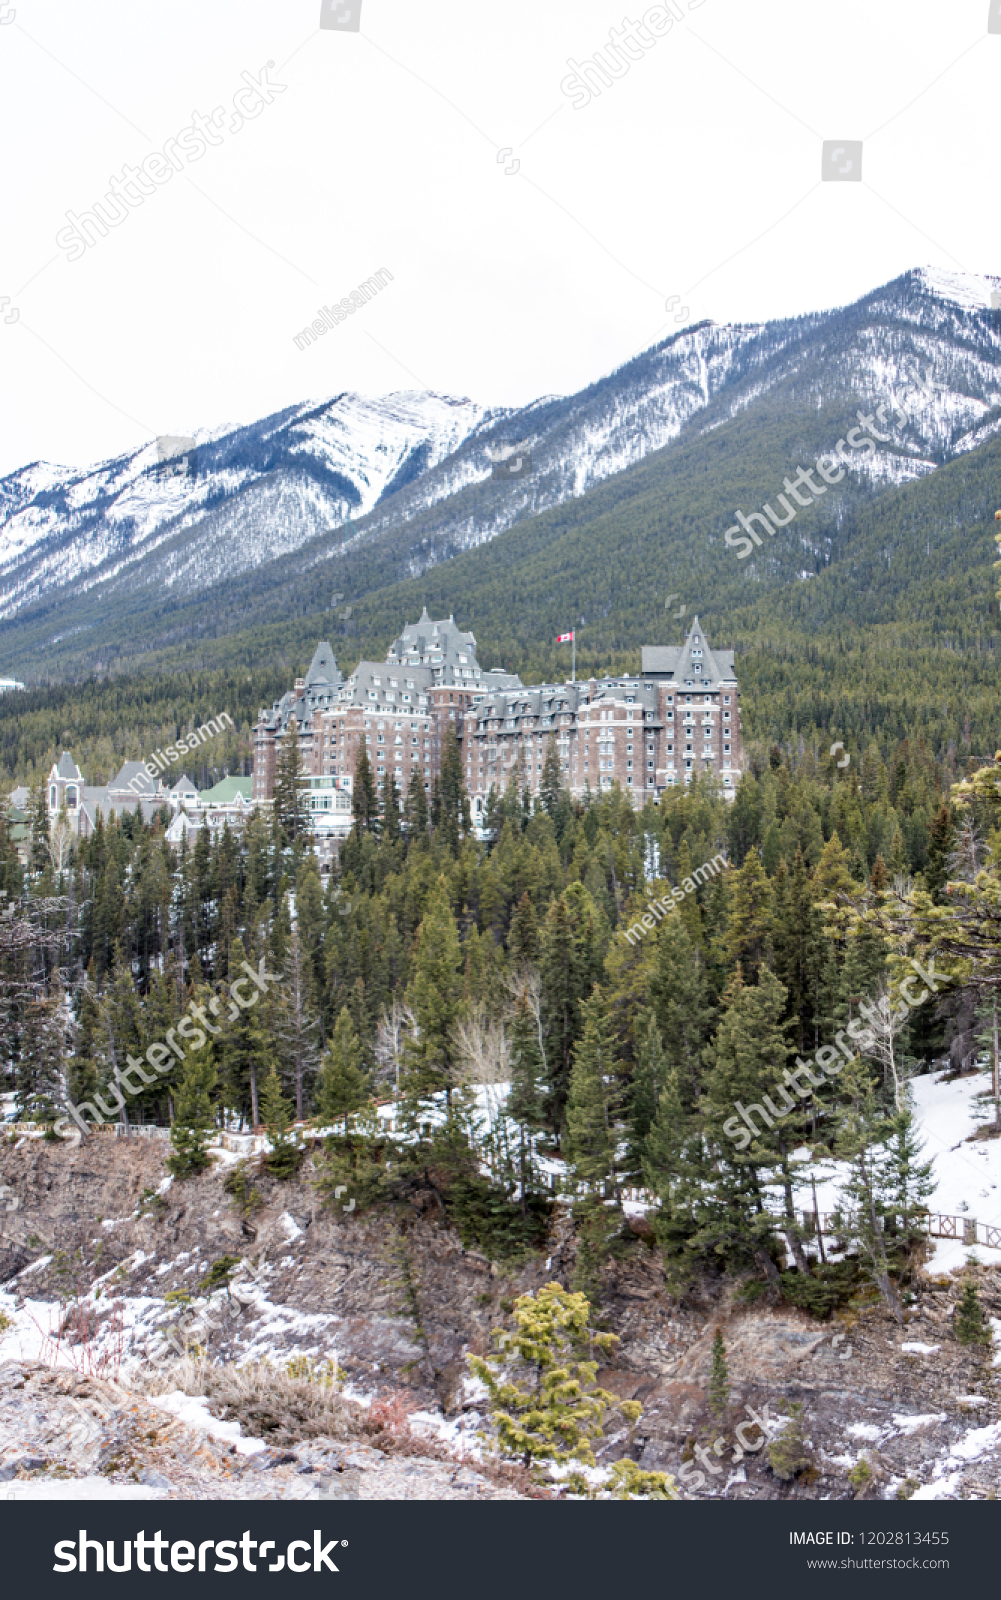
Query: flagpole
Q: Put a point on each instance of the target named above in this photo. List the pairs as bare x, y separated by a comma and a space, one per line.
573, 670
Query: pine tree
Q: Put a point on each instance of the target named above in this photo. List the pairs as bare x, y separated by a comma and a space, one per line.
342, 1086
544, 1401
193, 1117
788, 1455
970, 1324
719, 1377
285, 1156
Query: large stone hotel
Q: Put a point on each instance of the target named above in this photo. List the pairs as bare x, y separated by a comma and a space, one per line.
678, 717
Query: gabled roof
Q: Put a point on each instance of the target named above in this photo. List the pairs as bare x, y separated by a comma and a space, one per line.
184, 786
323, 668
68, 768
134, 779
694, 660
227, 791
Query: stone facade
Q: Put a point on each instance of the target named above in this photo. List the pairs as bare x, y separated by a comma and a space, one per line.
647, 732
679, 717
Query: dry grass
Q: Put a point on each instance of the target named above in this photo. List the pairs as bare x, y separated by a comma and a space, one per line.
280, 1406
292, 1405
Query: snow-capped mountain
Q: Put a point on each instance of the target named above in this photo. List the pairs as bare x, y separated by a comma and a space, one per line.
258, 492
420, 477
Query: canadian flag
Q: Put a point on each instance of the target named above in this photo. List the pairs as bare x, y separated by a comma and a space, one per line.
564, 638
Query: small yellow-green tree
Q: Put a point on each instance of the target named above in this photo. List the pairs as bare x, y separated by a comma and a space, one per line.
545, 1402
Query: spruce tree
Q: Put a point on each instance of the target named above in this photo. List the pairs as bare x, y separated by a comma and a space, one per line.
194, 1121
290, 799
243, 1046
435, 996
551, 782
649, 1077
751, 918
390, 810
39, 824
678, 989
285, 1156
747, 1062
365, 799
452, 820
523, 938
863, 1132
719, 1377
568, 967
940, 841
525, 1103
342, 1085
908, 1181
593, 1101
970, 1324
416, 811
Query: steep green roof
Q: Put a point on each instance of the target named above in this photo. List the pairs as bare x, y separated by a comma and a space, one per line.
226, 791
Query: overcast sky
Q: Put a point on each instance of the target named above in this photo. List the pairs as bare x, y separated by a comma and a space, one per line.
533, 242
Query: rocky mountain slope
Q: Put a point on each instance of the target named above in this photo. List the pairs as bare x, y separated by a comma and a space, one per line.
99, 1251
363, 495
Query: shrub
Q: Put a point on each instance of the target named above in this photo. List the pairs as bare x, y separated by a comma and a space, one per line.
788, 1455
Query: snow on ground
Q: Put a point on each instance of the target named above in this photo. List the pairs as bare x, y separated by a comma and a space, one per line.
967, 1176
193, 1410
79, 1489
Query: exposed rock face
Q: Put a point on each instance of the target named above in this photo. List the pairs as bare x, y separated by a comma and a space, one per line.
399, 1302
